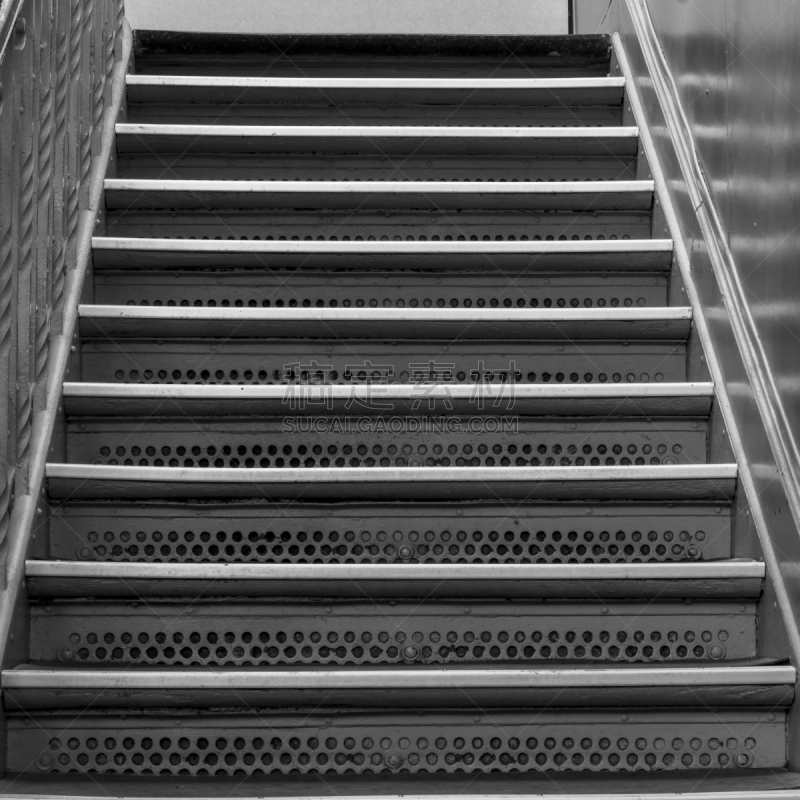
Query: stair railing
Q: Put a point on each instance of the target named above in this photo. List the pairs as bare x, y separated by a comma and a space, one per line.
62, 71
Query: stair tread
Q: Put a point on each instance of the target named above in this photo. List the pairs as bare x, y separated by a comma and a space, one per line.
689, 481
129, 193
733, 579
136, 676
608, 254
696, 784
377, 140
668, 399
395, 323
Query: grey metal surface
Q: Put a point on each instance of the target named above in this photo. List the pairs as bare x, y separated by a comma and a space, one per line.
420, 533
389, 742
381, 633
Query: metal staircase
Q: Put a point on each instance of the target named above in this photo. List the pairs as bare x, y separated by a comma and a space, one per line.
390, 449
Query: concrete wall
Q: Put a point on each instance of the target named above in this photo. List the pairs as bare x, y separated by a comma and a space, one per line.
351, 16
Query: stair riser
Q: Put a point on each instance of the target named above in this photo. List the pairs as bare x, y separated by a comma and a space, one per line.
393, 442
389, 633
342, 362
276, 289
502, 742
291, 166
398, 226
334, 534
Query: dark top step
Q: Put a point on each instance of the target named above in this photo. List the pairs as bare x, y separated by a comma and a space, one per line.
371, 55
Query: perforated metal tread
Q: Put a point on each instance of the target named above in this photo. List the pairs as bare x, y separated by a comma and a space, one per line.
31, 687
722, 579
393, 744
114, 252
385, 633
606, 400
341, 533
313, 288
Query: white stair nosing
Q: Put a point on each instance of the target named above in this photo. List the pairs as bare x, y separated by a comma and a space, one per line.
610, 246
377, 475
369, 678
370, 83
645, 571
519, 391
324, 187
376, 131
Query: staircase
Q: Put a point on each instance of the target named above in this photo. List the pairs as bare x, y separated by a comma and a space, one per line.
392, 462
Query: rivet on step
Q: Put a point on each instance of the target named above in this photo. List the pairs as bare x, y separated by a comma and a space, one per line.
624, 717
44, 761
405, 552
476, 719
394, 760
83, 553
65, 653
410, 652
771, 717
742, 760
48, 609
327, 609
716, 651
467, 610
693, 551
604, 610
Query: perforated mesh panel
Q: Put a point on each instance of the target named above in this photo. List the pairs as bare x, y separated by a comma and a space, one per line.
331, 536
389, 633
393, 442
349, 362
406, 289
415, 744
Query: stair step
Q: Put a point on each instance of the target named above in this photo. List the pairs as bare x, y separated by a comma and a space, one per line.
334, 533
355, 441
31, 687
490, 91
596, 255
358, 195
735, 579
315, 288
377, 140
606, 400
359, 633
557, 744
683, 482
395, 323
